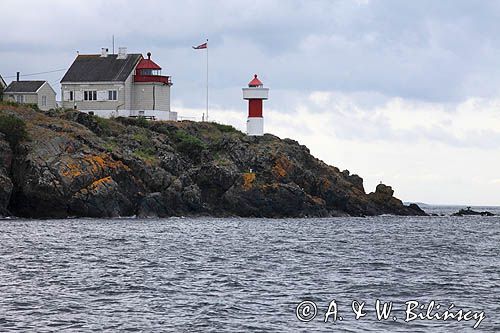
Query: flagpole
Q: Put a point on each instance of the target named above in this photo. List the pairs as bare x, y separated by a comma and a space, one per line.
207, 79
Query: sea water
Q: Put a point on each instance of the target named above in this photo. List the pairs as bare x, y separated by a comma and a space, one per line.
250, 275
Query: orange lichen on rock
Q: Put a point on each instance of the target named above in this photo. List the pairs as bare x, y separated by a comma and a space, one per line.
269, 187
281, 167
248, 179
72, 170
100, 183
317, 200
92, 164
102, 162
325, 184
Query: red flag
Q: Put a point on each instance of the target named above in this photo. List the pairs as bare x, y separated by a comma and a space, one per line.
201, 46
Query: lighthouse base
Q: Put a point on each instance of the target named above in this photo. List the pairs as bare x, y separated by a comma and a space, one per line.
255, 126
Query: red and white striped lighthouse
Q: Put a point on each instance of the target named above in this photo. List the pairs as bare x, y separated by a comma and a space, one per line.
255, 94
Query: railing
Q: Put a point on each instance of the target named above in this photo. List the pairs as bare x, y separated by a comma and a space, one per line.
153, 78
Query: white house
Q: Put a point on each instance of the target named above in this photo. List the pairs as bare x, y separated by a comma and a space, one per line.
112, 85
32, 92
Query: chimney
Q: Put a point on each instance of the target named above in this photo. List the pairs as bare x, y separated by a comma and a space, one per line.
122, 53
149, 55
104, 52
17, 74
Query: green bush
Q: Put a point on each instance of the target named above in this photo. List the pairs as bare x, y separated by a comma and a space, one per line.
104, 124
163, 127
141, 122
33, 106
225, 128
188, 144
10, 103
129, 121
13, 128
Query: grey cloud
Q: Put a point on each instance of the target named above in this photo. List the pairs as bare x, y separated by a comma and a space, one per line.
425, 50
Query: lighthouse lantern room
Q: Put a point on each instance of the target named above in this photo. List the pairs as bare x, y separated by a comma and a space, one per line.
255, 94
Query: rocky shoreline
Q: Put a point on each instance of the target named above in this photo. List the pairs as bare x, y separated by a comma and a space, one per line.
71, 164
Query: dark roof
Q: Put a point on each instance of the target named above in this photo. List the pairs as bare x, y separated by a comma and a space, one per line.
2, 82
94, 68
24, 86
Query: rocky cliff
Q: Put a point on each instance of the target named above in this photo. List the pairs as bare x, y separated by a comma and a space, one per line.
73, 164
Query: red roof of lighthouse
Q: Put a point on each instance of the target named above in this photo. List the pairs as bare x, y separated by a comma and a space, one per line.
147, 63
255, 82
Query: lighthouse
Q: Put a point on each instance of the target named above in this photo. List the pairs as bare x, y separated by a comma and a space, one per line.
255, 94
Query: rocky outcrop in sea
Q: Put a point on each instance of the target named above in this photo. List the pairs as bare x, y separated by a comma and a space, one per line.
72, 164
469, 212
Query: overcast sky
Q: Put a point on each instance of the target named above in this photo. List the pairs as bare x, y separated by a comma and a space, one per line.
404, 92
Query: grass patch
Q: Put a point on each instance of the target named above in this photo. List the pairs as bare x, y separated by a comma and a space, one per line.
222, 160
146, 154
110, 146
142, 138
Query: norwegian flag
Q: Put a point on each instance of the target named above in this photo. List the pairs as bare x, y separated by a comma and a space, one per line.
201, 46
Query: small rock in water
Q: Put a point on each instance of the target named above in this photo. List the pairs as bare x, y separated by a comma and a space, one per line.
469, 211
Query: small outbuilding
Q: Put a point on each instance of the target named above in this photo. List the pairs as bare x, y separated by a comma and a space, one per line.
31, 92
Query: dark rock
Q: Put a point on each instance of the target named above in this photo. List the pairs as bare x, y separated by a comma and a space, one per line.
383, 198
469, 211
153, 205
102, 198
415, 208
6, 185
384, 191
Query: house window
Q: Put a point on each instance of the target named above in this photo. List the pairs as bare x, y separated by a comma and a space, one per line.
44, 100
90, 95
112, 95
71, 95
20, 98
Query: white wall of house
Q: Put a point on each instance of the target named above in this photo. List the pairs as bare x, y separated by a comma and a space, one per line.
46, 97
129, 96
73, 94
151, 96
